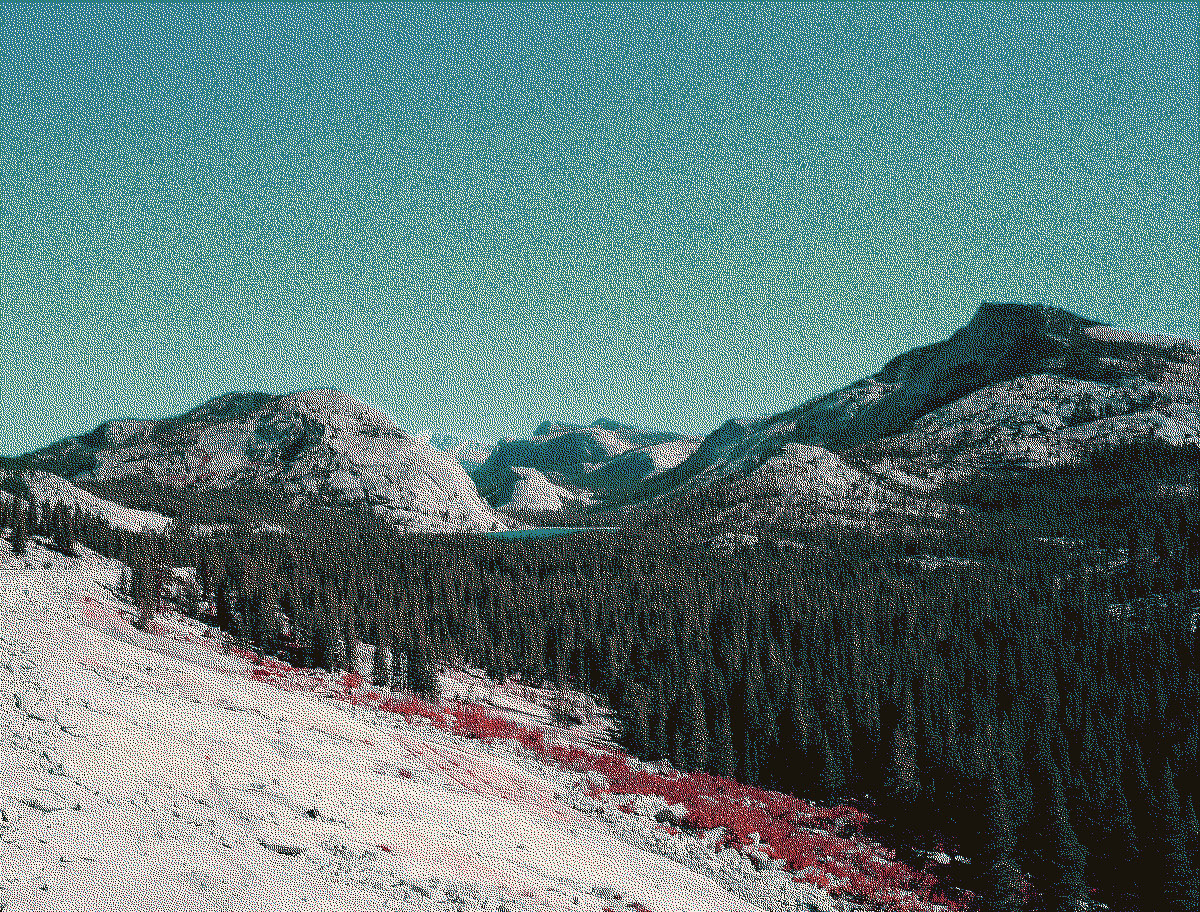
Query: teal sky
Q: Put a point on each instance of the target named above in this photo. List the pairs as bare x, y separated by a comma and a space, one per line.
476, 218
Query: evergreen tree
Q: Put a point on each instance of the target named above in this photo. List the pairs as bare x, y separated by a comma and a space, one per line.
223, 603
636, 715
399, 672
1174, 883
1000, 887
204, 577
901, 779
323, 654
1058, 861
20, 533
349, 642
62, 531
422, 672
691, 747
381, 666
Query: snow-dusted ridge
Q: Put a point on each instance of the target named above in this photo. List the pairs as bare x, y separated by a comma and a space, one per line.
147, 770
319, 444
607, 456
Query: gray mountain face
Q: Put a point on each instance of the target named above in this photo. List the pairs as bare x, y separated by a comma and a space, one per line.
575, 461
319, 444
470, 452
1020, 385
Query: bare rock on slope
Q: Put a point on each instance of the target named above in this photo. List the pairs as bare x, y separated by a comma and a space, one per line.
1020, 385
320, 444
607, 456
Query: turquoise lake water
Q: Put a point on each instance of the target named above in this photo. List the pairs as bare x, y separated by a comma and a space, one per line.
548, 532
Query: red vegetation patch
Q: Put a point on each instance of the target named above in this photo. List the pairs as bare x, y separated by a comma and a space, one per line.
822, 846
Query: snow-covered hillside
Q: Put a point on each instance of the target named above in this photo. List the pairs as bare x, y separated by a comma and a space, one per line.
528, 489
320, 444
607, 456
154, 769
471, 452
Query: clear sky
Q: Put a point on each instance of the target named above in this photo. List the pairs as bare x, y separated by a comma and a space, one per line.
476, 218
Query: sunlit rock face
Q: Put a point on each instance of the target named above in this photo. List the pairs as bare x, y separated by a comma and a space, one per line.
319, 444
607, 457
1021, 385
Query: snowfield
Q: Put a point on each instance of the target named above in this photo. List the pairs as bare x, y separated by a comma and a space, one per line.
151, 770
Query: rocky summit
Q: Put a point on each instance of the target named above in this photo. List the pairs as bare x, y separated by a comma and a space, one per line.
1020, 386
319, 444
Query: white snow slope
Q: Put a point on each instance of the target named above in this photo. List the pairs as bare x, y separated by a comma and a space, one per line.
147, 770
1021, 385
533, 491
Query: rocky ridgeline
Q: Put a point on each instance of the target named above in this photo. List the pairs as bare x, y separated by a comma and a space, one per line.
319, 444
1019, 386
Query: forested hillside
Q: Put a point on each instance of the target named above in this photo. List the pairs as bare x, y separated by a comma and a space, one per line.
1020, 688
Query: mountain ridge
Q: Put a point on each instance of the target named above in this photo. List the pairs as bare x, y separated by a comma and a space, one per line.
1019, 385
319, 444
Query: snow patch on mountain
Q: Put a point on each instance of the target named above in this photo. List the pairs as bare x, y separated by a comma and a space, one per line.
1020, 385
1043, 419
624, 472
532, 491
607, 457
471, 452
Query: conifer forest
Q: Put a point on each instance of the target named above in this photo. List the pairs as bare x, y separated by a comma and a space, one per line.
1018, 688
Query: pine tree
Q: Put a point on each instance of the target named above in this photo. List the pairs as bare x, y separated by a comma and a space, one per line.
1174, 882
691, 748
636, 718
399, 672
422, 673
349, 642
264, 622
63, 534
204, 577
1059, 861
223, 603
381, 666
20, 533
901, 779
1001, 878
322, 649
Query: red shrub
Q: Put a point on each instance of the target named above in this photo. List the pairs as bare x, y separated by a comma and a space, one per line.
825, 844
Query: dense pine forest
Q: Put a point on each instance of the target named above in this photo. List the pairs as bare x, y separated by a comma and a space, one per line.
1020, 689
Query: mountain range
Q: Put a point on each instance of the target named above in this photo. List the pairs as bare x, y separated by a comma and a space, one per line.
1021, 385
